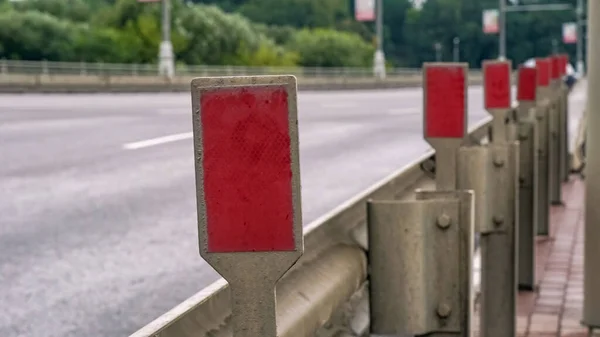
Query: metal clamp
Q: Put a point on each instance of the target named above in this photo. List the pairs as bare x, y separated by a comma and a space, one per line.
486, 171
420, 258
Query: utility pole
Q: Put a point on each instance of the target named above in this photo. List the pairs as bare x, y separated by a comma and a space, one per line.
438, 51
166, 66
503, 9
456, 50
379, 58
502, 23
580, 41
591, 272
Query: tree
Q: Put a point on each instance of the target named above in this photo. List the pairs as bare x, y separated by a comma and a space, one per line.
329, 48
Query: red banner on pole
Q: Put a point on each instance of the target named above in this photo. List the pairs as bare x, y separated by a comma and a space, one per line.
490, 21
569, 30
364, 10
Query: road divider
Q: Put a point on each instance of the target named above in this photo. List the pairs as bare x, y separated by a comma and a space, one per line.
55, 83
396, 259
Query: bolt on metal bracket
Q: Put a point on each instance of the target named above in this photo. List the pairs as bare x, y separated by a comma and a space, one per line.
420, 258
487, 171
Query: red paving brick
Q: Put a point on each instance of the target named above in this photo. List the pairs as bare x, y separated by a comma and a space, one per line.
554, 308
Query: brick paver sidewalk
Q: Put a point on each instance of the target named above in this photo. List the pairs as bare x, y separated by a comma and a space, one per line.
554, 309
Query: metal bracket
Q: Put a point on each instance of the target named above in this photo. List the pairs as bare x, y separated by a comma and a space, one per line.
525, 136
420, 258
428, 167
487, 171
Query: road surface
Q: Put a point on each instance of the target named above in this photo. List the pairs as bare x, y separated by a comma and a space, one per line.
97, 205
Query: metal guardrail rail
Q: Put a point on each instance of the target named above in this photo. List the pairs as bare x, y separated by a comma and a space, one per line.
132, 69
325, 293
65, 77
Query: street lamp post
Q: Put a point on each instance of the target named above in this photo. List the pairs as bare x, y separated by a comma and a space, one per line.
502, 23
438, 51
456, 52
166, 65
379, 57
591, 234
579, 12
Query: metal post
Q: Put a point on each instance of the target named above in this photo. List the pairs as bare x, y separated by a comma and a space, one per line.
542, 116
543, 179
591, 290
438, 51
527, 206
502, 23
3, 67
498, 250
566, 162
554, 144
579, 11
165, 54
430, 240
456, 50
379, 61
554, 46
527, 227
491, 172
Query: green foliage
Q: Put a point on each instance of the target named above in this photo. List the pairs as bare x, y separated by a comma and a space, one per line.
330, 48
269, 32
267, 54
74, 10
45, 36
296, 13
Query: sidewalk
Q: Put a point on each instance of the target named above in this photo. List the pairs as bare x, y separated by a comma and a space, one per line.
554, 309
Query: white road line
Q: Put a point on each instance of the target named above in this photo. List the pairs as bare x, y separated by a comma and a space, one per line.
157, 141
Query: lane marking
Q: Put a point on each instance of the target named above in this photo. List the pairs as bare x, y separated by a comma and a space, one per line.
157, 141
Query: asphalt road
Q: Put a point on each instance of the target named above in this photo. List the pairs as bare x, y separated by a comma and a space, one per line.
97, 207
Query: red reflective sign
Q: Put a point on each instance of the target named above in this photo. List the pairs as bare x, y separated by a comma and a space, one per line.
543, 71
247, 173
555, 67
526, 90
445, 101
496, 76
564, 63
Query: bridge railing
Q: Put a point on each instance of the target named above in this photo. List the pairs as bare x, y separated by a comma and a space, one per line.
397, 258
132, 69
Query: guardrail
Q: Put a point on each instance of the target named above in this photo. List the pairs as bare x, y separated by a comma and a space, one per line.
44, 76
474, 182
133, 69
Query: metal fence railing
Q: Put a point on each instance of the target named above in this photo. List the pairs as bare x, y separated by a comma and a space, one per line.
132, 69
